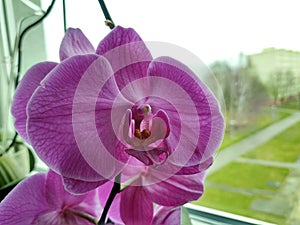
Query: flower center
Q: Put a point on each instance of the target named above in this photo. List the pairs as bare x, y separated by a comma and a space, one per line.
145, 134
142, 135
142, 117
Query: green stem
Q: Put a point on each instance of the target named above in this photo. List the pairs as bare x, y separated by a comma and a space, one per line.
109, 22
14, 141
114, 191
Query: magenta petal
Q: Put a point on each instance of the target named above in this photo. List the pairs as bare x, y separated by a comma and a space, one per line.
136, 208
96, 119
25, 202
167, 215
56, 194
160, 128
161, 114
58, 197
202, 124
78, 186
174, 191
154, 156
140, 155
55, 218
188, 170
117, 37
129, 58
75, 43
25, 89
50, 124
171, 169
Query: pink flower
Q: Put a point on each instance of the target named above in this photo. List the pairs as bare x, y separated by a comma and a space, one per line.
88, 116
42, 199
146, 188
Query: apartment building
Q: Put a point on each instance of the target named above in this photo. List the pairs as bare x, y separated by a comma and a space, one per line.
278, 68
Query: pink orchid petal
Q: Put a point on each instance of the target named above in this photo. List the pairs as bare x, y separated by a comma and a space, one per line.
174, 191
27, 86
50, 125
55, 218
25, 202
120, 36
169, 168
128, 56
57, 196
171, 117
167, 215
75, 43
42, 199
199, 168
94, 124
78, 186
155, 156
136, 207
133, 168
140, 155
160, 128
202, 122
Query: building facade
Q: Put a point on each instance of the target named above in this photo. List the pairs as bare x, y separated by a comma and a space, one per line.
279, 70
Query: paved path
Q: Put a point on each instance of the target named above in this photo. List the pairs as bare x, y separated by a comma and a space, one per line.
232, 152
289, 165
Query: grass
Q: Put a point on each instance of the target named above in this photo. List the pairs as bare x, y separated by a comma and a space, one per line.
291, 104
285, 147
235, 203
244, 177
249, 176
259, 122
225, 201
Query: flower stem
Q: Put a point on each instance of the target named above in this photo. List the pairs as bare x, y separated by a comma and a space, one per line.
64, 15
109, 22
114, 191
14, 140
49, 9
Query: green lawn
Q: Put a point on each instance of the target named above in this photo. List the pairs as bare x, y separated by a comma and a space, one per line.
285, 147
241, 177
291, 104
235, 203
261, 121
249, 176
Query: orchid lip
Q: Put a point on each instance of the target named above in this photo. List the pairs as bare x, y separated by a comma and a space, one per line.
145, 133
146, 130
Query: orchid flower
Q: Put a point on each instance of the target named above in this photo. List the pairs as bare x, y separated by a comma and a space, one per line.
88, 116
145, 188
42, 199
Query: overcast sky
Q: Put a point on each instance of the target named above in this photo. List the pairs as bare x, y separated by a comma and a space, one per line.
211, 29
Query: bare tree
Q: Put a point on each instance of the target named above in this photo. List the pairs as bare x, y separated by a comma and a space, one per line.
244, 93
281, 85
